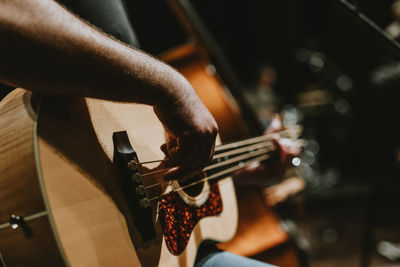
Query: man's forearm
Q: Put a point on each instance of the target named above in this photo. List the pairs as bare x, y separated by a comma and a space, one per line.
46, 49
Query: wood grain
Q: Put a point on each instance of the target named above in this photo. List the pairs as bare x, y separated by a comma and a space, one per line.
20, 192
92, 225
86, 210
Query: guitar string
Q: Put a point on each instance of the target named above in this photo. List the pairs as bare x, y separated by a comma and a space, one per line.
243, 149
233, 152
217, 175
267, 148
214, 176
251, 148
224, 147
295, 130
237, 146
253, 140
259, 152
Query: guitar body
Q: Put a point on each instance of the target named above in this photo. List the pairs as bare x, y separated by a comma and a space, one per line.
58, 164
259, 233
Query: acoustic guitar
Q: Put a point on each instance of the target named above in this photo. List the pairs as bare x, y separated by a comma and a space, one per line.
82, 185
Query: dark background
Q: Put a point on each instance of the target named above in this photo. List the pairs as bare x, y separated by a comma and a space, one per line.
353, 187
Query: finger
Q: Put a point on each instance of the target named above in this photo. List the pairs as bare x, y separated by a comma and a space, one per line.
188, 148
172, 148
195, 159
283, 155
287, 149
275, 125
289, 146
205, 154
164, 149
171, 143
205, 151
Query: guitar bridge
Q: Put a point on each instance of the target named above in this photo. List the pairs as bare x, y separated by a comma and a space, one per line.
134, 193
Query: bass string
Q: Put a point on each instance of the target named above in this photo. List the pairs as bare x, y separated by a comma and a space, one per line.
241, 157
226, 172
240, 151
264, 143
292, 132
214, 176
222, 164
243, 149
234, 148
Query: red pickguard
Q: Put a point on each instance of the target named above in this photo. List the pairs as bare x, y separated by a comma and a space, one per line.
178, 219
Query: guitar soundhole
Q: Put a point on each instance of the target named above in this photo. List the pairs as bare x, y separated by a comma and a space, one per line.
193, 190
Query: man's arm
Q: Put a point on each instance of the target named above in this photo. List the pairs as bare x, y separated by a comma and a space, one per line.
46, 49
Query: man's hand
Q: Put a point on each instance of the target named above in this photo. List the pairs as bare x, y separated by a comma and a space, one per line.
191, 135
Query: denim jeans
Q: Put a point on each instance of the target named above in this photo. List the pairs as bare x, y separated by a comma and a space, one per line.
208, 255
224, 259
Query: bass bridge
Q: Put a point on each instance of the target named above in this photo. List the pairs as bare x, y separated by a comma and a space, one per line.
134, 193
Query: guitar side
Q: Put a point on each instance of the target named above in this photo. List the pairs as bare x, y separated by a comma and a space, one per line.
32, 244
76, 151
